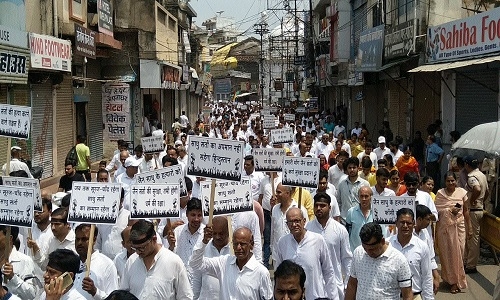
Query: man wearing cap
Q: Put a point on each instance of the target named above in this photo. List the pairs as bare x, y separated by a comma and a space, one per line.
477, 187
381, 150
15, 163
127, 178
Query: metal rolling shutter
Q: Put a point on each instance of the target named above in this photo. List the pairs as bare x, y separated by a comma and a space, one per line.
95, 139
65, 122
476, 104
41, 128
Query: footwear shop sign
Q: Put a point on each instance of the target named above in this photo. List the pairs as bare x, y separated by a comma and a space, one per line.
472, 36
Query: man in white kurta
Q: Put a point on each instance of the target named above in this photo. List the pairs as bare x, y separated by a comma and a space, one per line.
309, 250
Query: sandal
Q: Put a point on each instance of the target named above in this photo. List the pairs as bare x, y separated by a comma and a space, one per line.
454, 289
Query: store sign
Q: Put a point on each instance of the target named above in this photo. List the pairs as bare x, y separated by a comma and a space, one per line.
105, 13
222, 86
13, 38
171, 78
355, 78
48, 52
474, 36
116, 111
398, 40
84, 42
371, 45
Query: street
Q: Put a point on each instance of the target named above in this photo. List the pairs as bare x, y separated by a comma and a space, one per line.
480, 286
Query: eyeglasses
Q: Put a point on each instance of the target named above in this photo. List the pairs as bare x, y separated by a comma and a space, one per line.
292, 222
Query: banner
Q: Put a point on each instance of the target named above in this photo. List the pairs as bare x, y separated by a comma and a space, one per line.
15, 121
282, 136
289, 117
268, 160
48, 52
152, 144
116, 111
215, 158
384, 208
152, 201
16, 206
94, 203
22, 182
84, 42
371, 45
230, 197
398, 40
168, 175
300, 171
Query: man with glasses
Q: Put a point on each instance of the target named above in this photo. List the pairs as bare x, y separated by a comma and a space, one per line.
154, 272
412, 183
378, 271
241, 276
309, 250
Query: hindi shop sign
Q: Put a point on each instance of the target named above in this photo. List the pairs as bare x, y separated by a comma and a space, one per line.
301, 171
371, 45
151, 201
268, 159
84, 42
152, 144
384, 208
105, 14
473, 36
169, 175
22, 182
94, 203
215, 158
230, 197
48, 52
282, 136
398, 40
116, 111
16, 206
15, 121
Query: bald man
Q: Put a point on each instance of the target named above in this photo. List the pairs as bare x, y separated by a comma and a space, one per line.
240, 275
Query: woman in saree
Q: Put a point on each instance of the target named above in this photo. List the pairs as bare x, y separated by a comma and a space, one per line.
334, 153
395, 183
427, 185
407, 163
453, 210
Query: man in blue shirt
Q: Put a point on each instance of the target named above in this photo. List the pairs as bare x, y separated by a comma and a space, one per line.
433, 157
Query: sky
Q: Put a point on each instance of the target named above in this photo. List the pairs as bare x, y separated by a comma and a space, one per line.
246, 13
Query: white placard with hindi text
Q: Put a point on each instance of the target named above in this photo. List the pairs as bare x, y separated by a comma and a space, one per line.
254, 116
384, 208
269, 122
265, 113
16, 206
289, 117
26, 183
282, 136
152, 144
170, 175
268, 159
300, 171
230, 197
152, 201
215, 158
15, 121
94, 202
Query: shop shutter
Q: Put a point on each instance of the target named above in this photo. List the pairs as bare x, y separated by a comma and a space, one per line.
359, 24
475, 103
394, 104
65, 122
95, 138
42, 128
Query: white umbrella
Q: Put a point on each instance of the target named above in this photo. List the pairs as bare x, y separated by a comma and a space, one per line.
481, 141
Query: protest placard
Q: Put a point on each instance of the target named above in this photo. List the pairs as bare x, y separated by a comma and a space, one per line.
16, 206
170, 175
151, 201
94, 202
243, 107
152, 144
265, 112
269, 122
230, 197
289, 117
300, 109
215, 158
268, 159
281, 136
254, 116
15, 121
273, 109
26, 183
301, 171
384, 208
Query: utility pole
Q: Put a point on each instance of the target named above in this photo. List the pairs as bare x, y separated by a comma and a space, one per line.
261, 29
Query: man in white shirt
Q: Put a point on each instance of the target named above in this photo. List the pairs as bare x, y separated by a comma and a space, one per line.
411, 182
416, 252
122, 157
309, 250
127, 177
103, 277
325, 187
395, 152
149, 163
339, 128
63, 238
381, 150
336, 172
336, 237
158, 131
356, 130
15, 163
206, 287
183, 119
240, 275
266, 193
154, 272
115, 162
378, 271
325, 147
254, 176
380, 189
369, 152
121, 258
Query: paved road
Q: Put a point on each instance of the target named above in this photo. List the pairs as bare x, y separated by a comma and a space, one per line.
480, 285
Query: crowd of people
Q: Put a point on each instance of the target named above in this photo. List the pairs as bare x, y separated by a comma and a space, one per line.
321, 242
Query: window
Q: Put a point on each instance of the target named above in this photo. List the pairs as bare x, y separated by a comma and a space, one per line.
162, 17
172, 24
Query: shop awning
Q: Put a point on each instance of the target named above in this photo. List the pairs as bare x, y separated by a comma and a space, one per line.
455, 64
244, 94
